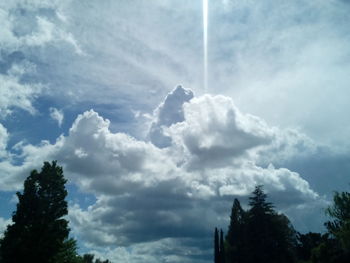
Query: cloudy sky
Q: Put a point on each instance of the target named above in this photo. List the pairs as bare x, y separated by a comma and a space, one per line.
114, 90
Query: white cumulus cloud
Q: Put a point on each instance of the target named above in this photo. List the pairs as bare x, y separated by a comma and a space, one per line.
145, 193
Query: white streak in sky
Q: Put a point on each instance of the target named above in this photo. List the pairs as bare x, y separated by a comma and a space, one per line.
205, 44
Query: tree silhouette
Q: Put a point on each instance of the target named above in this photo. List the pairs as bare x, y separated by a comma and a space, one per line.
216, 246
68, 253
39, 231
259, 234
236, 237
340, 212
335, 247
89, 258
219, 247
258, 203
222, 247
271, 235
306, 243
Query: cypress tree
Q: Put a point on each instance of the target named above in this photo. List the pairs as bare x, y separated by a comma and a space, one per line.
222, 248
216, 246
236, 235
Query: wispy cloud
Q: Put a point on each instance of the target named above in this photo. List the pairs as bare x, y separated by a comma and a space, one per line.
57, 115
16, 94
26, 29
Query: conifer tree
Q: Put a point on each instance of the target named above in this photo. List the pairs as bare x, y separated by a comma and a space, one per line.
216, 246
236, 237
258, 202
39, 231
259, 234
271, 235
222, 247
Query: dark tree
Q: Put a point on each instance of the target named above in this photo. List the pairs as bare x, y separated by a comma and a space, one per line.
68, 253
258, 203
88, 258
329, 251
216, 246
39, 231
340, 212
259, 234
335, 248
236, 223
222, 247
271, 235
236, 236
102, 261
306, 243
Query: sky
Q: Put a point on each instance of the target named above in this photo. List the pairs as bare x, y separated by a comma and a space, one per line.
115, 92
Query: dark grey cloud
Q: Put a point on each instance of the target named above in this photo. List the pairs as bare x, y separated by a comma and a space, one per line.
326, 170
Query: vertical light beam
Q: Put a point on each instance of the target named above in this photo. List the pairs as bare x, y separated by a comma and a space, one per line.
205, 44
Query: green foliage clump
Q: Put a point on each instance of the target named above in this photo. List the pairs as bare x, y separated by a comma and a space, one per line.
335, 248
340, 226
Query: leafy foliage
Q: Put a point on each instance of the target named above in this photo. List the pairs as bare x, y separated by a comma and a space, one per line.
340, 212
306, 243
68, 253
335, 248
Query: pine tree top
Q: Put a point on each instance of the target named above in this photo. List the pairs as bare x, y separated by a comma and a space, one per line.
258, 201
